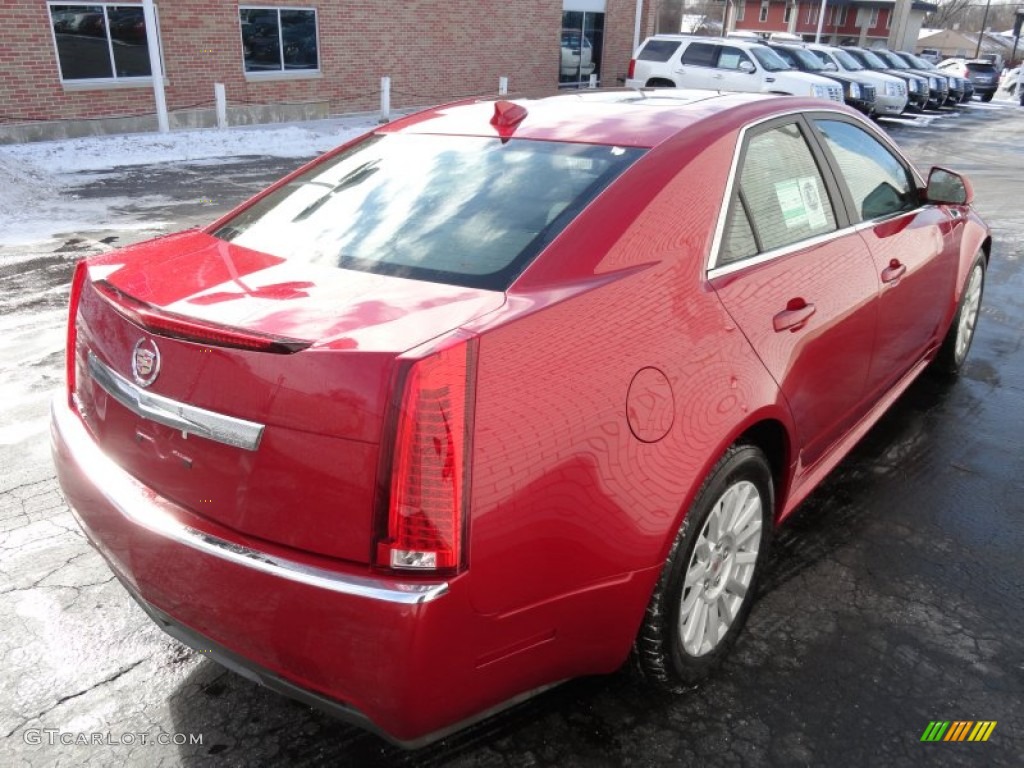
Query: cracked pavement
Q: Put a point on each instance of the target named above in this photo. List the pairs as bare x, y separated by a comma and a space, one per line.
894, 597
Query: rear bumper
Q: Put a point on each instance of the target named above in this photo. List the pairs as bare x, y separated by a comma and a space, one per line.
411, 661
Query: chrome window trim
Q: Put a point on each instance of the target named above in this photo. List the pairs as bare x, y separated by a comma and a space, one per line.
713, 270
190, 419
137, 503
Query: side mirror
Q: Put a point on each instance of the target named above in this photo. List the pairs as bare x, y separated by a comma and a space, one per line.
830, 66
949, 188
746, 67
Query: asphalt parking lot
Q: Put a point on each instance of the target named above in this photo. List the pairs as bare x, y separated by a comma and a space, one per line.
893, 598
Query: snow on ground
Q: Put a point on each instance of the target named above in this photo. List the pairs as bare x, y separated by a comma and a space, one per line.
37, 179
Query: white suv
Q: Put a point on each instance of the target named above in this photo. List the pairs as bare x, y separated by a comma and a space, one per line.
722, 64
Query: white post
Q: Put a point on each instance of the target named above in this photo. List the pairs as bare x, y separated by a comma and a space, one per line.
155, 66
636, 25
821, 20
593, 81
221, 99
503, 86
385, 99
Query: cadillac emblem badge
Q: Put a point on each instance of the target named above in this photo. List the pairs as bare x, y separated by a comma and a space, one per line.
145, 362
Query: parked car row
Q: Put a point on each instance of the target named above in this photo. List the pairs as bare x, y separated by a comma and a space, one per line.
876, 82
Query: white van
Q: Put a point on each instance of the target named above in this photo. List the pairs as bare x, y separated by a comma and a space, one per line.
722, 64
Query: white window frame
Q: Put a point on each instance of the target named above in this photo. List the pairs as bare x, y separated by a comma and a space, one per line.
873, 19
888, 18
275, 74
787, 14
114, 81
763, 16
741, 6
812, 13
842, 16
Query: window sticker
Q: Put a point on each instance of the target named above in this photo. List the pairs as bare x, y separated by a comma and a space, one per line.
801, 203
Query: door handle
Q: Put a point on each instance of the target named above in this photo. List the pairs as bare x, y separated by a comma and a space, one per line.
894, 271
794, 316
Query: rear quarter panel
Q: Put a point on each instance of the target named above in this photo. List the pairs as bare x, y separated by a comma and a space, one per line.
564, 495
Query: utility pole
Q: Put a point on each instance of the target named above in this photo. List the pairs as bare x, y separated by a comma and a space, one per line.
984, 21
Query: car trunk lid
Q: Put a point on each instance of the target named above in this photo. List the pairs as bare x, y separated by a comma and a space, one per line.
250, 389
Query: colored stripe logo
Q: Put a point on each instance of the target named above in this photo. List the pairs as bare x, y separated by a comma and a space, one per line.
958, 730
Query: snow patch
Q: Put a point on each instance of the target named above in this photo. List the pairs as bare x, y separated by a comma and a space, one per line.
37, 179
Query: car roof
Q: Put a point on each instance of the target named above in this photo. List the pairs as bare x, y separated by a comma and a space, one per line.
632, 118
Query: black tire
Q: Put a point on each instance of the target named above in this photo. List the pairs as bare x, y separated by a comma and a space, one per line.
952, 354
660, 651
986, 97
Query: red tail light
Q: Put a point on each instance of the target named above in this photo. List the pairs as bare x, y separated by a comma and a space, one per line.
190, 329
632, 69
76, 295
425, 488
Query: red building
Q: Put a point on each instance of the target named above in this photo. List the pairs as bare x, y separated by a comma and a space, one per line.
77, 68
889, 23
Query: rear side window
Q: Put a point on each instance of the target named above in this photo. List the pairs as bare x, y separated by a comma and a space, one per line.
700, 54
462, 210
658, 50
880, 184
780, 198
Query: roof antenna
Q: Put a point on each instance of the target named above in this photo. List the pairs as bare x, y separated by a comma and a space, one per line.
507, 117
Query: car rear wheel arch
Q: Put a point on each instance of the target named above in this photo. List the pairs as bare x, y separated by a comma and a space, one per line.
660, 82
772, 438
661, 653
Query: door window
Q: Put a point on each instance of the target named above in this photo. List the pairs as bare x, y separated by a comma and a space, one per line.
730, 58
780, 197
879, 183
700, 54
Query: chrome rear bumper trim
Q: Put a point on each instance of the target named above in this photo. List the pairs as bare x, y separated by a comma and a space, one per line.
137, 503
218, 427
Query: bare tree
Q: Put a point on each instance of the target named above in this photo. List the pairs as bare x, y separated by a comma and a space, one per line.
950, 12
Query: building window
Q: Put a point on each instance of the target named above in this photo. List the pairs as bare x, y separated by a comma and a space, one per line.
888, 18
279, 39
842, 17
741, 6
788, 13
764, 11
100, 41
873, 19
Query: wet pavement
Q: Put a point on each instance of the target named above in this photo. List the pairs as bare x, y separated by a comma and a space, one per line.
894, 597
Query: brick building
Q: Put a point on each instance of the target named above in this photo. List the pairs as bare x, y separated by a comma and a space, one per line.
891, 23
77, 68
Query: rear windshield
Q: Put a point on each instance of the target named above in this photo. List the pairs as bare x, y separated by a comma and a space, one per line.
658, 50
461, 210
981, 66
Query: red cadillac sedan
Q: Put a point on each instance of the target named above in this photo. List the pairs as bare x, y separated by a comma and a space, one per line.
504, 393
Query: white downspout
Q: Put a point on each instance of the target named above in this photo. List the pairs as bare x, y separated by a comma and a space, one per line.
636, 26
155, 66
